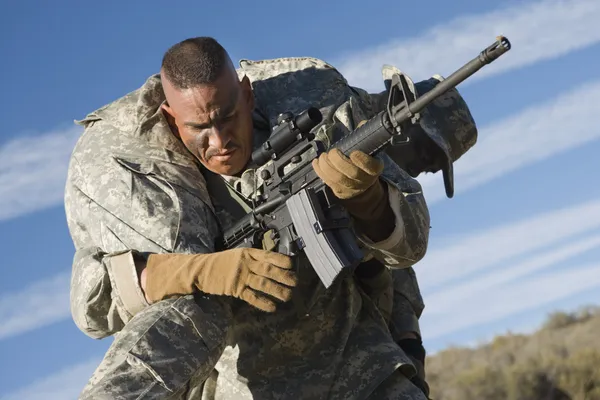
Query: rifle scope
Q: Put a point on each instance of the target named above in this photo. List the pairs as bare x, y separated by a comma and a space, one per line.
286, 133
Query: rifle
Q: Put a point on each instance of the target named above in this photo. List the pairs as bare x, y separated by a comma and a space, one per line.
298, 209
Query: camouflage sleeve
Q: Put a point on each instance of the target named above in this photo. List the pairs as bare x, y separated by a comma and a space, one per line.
396, 294
408, 242
407, 303
105, 292
121, 204
407, 307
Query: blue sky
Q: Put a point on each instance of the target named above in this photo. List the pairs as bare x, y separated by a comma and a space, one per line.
520, 238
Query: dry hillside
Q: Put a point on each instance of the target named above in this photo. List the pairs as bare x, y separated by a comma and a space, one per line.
561, 361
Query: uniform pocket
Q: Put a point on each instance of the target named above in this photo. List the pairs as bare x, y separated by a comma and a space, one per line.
186, 340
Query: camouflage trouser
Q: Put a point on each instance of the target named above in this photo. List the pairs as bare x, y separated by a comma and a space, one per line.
168, 350
163, 352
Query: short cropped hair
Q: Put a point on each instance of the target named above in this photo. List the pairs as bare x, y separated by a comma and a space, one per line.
195, 61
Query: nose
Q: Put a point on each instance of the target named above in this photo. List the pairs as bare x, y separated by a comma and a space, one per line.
218, 138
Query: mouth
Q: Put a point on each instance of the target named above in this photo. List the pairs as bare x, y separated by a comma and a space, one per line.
224, 156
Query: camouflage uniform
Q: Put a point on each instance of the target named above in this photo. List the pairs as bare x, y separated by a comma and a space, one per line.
134, 188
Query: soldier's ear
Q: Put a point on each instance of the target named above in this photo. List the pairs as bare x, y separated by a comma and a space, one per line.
166, 109
247, 92
168, 112
170, 117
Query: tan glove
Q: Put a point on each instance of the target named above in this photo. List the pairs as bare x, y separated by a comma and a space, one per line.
355, 181
246, 273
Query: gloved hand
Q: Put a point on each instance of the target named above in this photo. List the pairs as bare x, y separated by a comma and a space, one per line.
246, 273
414, 349
355, 181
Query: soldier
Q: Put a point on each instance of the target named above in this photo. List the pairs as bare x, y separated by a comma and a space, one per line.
155, 178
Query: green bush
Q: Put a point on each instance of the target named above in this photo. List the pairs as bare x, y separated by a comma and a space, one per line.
561, 361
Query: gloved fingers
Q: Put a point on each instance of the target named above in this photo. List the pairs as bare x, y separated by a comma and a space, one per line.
342, 186
326, 172
324, 175
269, 287
258, 300
368, 164
268, 270
271, 257
353, 175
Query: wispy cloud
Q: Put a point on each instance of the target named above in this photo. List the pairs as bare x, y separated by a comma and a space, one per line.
39, 304
484, 273
65, 384
456, 296
540, 31
33, 170
505, 300
532, 135
482, 249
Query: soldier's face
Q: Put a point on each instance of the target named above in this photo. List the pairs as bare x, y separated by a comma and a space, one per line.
214, 121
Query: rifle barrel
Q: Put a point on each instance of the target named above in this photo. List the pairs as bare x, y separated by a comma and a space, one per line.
491, 53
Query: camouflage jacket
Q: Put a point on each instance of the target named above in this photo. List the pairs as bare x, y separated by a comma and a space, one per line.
133, 187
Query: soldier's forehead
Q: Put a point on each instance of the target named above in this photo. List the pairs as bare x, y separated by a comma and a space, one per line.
212, 99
